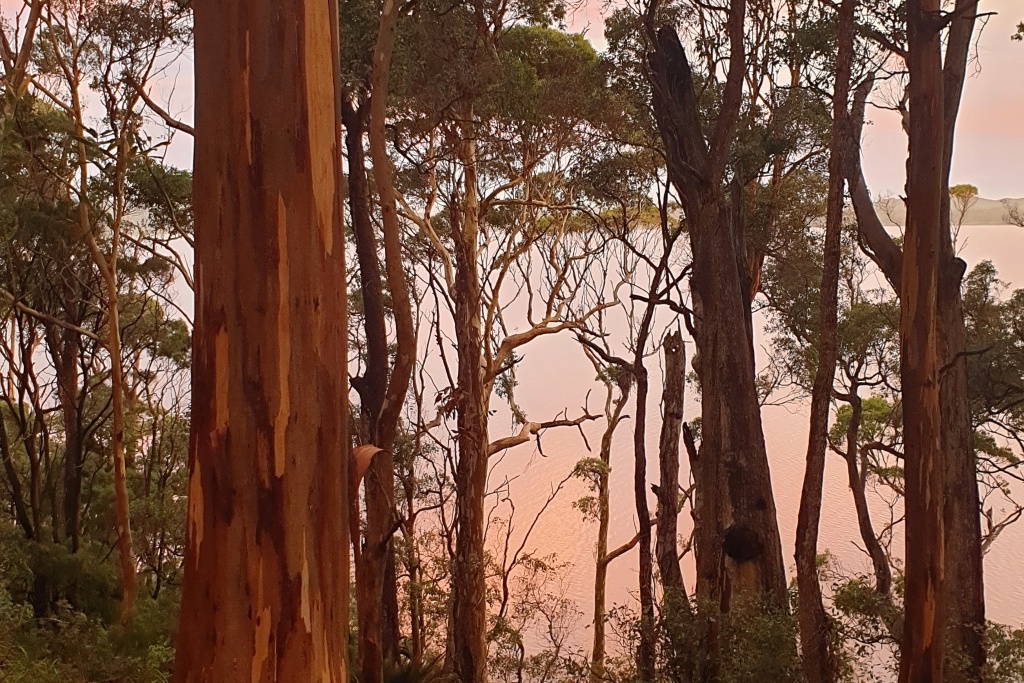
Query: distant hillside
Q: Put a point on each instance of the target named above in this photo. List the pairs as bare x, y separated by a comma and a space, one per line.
984, 211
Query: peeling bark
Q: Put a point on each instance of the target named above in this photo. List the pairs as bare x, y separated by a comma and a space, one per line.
922, 650
265, 594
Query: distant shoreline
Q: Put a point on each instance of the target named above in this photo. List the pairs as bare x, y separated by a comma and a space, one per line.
892, 211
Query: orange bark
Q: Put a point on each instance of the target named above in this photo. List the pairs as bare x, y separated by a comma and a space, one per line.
265, 595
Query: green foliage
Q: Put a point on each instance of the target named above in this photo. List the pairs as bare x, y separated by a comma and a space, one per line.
78, 641
1005, 663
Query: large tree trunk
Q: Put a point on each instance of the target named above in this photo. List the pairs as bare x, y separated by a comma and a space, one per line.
469, 608
815, 628
963, 583
963, 580
737, 543
922, 652
265, 594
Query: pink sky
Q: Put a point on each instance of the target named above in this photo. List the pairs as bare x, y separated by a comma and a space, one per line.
990, 134
989, 149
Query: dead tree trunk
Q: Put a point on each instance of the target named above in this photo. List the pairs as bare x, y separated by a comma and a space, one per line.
675, 602
265, 593
815, 629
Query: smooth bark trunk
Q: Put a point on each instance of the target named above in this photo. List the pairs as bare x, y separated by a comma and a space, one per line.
469, 608
819, 662
646, 654
265, 593
963, 581
613, 414
922, 651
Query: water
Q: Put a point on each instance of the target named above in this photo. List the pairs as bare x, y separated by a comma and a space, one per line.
555, 376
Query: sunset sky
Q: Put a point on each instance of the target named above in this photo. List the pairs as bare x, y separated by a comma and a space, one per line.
989, 149
990, 132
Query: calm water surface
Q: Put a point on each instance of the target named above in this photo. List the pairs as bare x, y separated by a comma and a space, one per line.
555, 376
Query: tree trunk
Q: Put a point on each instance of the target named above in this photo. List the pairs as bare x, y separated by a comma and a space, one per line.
963, 583
469, 608
963, 580
646, 654
265, 593
815, 628
675, 603
613, 414
922, 653
739, 551
65, 349
126, 557
380, 516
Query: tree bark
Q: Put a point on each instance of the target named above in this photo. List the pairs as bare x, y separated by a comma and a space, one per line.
963, 575
818, 659
668, 464
265, 593
739, 550
613, 415
675, 602
65, 349
380, 508
646, 654
922, 652
469, 608
963, 581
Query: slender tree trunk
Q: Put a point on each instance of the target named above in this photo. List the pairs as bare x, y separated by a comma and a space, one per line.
856, 480
469, 608
922, 652
65, 348
815, 629
668, 464
21, 510
265, 593
675, 603
380, 508
646, 655
613, 414
112, 343
126, 557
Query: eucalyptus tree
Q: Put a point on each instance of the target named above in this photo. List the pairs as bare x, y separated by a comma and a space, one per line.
816, 638
382, 390
734, 150
265, 590
962, 590
488, 115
